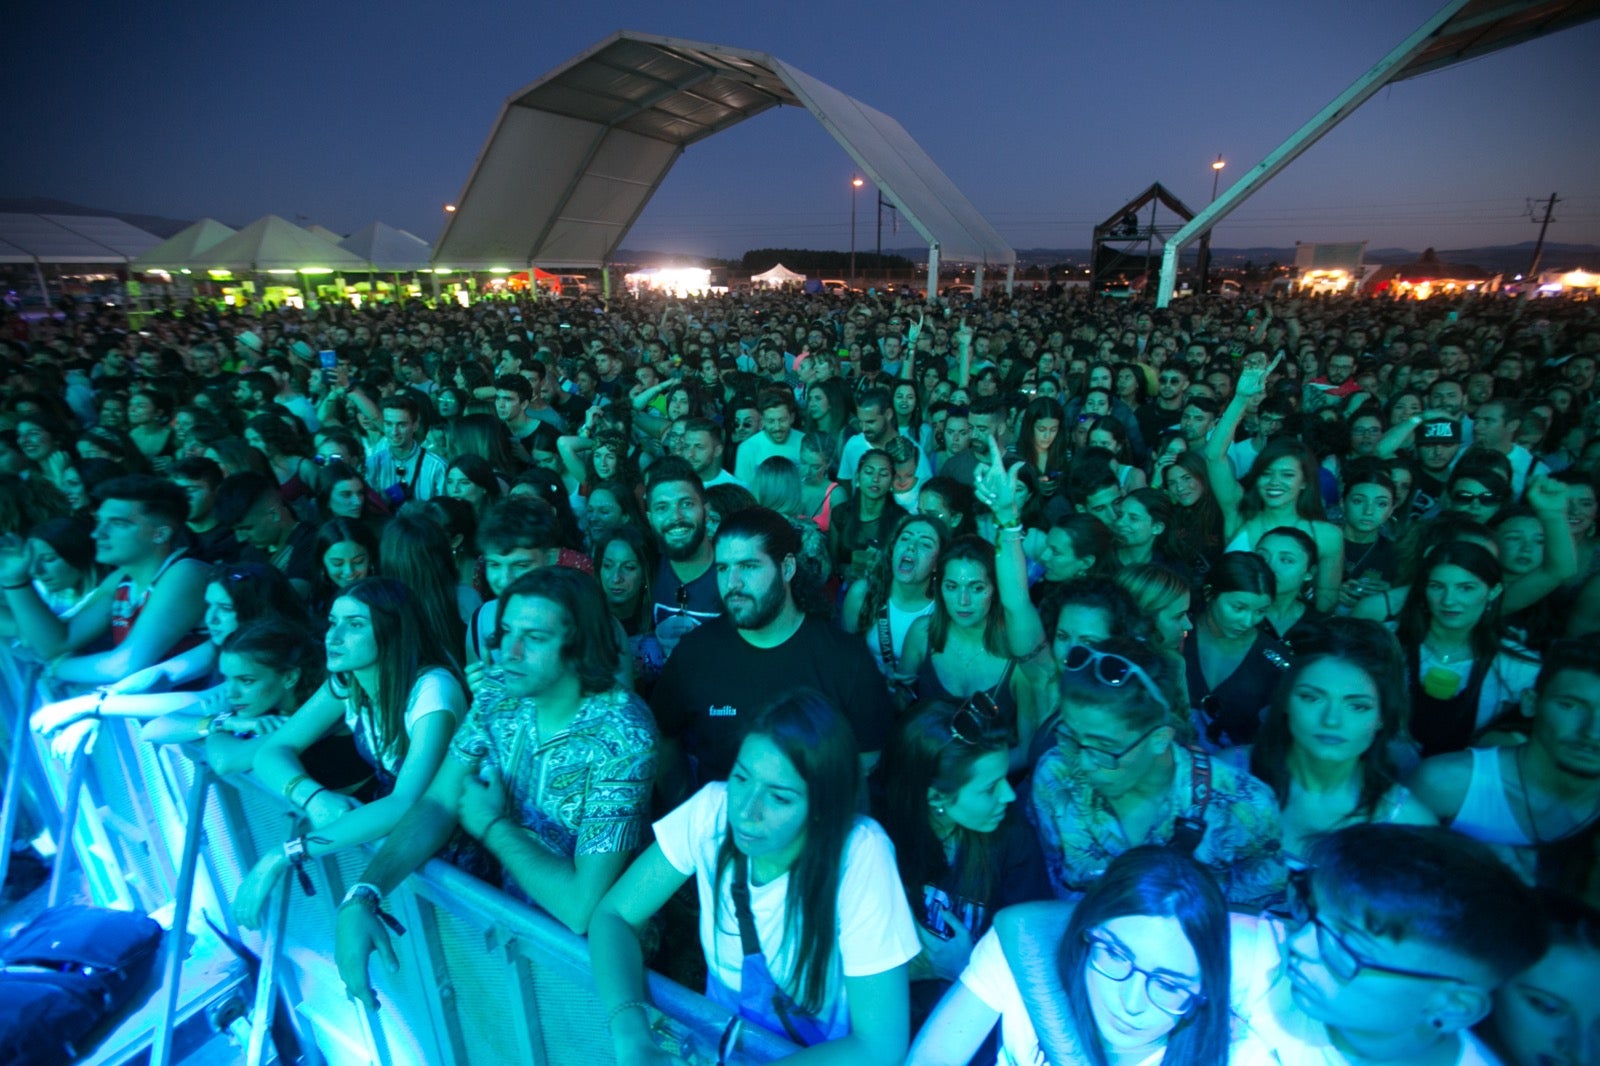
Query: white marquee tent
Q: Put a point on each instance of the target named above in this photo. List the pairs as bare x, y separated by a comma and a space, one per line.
271, 243
177, 251
387, 249
778, 276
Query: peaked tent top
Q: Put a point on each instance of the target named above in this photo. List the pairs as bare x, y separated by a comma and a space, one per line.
388, 249
575, 157
779, 273
178, 249
272, 243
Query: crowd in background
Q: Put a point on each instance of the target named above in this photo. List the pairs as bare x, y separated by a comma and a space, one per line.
1029, 678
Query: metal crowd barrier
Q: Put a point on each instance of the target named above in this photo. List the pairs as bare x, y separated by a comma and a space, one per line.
484, 978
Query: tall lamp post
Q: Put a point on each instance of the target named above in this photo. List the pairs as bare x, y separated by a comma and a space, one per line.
855, 187
1205, 240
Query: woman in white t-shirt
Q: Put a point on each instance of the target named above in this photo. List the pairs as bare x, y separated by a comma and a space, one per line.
805, 927
1144, 962
396, 688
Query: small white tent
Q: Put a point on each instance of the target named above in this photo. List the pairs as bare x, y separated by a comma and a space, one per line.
176, 251
387, 249
778, 277
271, 243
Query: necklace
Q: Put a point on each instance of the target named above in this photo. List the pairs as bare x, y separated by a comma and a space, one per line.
1527, 808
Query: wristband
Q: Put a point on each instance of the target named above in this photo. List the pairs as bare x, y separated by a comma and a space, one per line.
319, 790
620, 1008
496, 820
294, 849
204, 729
100, 700
294, 783
363, 890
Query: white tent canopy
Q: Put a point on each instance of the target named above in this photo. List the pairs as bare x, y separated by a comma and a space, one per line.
388, 249
325, 233
28, 238
778, 275
271, 243
574, 157
177, 250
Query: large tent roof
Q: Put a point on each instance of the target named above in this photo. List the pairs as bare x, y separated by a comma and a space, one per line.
178, 249
28, 238
271, 243
388, 249
574, 157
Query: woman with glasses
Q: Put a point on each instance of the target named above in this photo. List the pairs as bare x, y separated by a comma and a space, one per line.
1141, 976
1479, 493
963, 848
803, 922
1120, 775
1281, 489
1328, 746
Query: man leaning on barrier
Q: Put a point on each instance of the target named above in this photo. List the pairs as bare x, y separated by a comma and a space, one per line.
551, 772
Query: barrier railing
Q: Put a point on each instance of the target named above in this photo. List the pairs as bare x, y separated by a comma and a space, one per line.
483, 978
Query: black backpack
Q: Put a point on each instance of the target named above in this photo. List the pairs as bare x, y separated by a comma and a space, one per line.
64, 973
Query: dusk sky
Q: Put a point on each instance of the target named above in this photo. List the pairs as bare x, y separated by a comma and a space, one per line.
1047, 115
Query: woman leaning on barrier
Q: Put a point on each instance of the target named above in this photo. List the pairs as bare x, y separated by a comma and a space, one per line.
803, 921
399, 692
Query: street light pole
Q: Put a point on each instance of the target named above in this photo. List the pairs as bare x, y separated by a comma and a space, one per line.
1205, 238
855, 187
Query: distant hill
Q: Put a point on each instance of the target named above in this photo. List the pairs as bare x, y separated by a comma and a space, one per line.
43, 205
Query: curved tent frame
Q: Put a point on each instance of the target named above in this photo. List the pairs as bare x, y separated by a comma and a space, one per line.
1459, 31
574, 157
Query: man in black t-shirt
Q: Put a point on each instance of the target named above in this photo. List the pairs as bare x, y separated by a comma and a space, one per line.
765, 644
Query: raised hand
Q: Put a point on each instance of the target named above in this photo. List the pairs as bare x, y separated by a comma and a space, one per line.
1253, 381
16, 560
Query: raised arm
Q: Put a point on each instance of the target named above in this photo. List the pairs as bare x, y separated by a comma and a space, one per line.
1548, 498
997, 488
1226, 487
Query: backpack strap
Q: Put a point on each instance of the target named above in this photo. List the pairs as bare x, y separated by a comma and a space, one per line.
749, 942
885, 640
1190, 827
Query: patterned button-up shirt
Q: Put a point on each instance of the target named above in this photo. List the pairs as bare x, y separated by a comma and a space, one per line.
583, 791
1080, 832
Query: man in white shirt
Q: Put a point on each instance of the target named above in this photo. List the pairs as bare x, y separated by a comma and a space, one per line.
702, 447
779, 413
401, 466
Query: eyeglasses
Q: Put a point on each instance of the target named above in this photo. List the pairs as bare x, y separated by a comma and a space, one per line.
1112, 670
1170, 379
975, 719
1342, 960
1483, 499
1165, 994
1102, 758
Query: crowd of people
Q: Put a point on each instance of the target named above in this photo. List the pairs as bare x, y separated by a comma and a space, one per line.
1034, 678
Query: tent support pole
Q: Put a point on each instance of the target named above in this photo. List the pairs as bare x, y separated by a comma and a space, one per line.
1011, 277
1335, 112
933, 273
44, 289
605, 282
977, 282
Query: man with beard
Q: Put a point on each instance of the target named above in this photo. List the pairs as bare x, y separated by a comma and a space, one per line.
767, 641
1528, 798
685, 588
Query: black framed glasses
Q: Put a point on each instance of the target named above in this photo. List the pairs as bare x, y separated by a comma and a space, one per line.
975, 719
1164, 992
1112, 670
1102, 758
1342, 960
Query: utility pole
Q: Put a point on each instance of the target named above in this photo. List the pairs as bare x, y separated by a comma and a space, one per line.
1538, 247
1530, 280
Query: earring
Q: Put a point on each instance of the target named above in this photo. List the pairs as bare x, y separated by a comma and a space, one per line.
938, 810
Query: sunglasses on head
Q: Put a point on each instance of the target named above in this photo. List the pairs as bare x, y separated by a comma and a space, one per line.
974, 719
1112, 670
